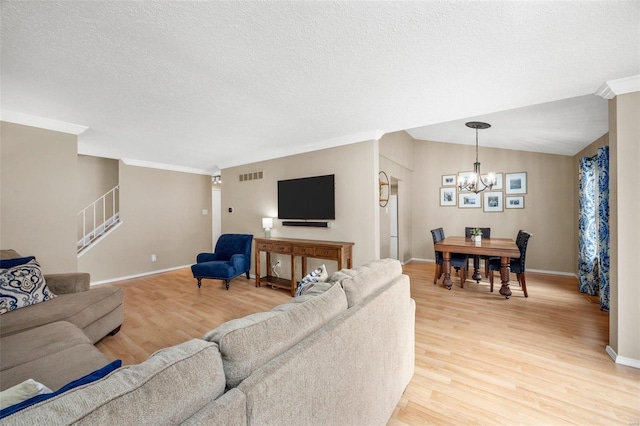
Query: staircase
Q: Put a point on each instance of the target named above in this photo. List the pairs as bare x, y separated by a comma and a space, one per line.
98, 220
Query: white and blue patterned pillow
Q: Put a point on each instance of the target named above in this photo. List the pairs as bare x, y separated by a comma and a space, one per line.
21, 286
317, 275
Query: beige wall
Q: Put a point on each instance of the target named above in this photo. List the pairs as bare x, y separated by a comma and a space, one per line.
96, 176
624, 203
549, 202
396, 160
162, 215
355, 172
38, 195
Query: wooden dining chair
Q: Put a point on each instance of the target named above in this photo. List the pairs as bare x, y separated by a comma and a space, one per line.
458, 261
486, 233
516, 266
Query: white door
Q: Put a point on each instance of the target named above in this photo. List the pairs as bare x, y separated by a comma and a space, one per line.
216, 214
393, 216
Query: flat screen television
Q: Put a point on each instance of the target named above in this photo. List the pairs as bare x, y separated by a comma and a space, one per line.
311, 198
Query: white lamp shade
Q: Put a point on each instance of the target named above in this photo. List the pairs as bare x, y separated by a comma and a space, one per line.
267, 222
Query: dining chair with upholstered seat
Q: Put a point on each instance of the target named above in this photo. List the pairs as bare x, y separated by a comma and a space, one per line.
517, 265
458, 261
486, 233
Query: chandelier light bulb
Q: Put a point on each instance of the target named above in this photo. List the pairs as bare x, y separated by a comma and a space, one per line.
491, 179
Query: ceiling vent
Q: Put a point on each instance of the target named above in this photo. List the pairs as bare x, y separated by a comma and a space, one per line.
245, 177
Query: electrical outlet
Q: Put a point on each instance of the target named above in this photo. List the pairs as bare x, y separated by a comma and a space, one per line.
153, 258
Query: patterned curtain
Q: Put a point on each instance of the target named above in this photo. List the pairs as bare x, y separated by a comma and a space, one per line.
587, 231
603, 225
593, 222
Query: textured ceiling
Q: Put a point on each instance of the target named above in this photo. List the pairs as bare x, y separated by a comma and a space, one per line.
213, 84
562, 127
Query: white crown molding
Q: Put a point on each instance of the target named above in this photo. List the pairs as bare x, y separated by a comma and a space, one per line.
612, 88
170, 167
41, 122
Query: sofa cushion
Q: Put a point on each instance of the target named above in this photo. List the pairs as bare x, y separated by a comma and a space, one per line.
168, 388
68, 282
53, 354
250, 342
9, 254
80, 309
364, 280
21, 286
350, 372
91, 377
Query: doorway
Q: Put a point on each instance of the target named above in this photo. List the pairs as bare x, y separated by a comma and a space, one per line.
394, 220
216, 213
393, 226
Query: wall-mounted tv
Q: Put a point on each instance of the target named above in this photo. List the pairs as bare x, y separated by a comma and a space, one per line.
311, 198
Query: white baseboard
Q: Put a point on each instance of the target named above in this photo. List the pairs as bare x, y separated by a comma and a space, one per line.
635, 363
417, 259
144, 274
544, 271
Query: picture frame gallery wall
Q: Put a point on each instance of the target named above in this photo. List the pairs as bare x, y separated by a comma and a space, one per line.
508, 192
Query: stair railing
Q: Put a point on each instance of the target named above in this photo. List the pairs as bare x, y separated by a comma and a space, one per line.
100, 224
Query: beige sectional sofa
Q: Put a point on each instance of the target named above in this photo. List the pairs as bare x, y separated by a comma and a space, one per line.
341, 354
52, 342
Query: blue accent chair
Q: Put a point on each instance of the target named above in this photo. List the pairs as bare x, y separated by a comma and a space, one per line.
231, 258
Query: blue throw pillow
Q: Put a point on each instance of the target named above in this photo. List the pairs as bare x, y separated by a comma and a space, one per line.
91, 377
10, 263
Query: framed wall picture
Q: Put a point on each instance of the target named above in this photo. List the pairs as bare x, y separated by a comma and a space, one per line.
514, 202
469, 200
492, 201
516, 183
448, 180
498, 185
448, 196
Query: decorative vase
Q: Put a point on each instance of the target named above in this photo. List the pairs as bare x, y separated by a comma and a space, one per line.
476, 238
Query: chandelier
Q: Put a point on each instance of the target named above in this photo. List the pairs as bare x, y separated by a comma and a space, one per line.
474, 182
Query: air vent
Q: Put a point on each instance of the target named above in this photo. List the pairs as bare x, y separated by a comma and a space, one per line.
245, 177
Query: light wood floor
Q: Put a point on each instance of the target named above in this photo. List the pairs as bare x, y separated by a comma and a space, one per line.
480, 359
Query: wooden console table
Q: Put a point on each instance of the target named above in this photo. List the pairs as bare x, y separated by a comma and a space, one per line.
341, 252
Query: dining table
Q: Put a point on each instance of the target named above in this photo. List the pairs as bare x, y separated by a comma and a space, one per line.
504, 248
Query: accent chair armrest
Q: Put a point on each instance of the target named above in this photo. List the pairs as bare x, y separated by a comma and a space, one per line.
71, 282
206, 257
238, 262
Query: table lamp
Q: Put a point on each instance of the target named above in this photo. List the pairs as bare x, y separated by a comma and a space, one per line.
267, 224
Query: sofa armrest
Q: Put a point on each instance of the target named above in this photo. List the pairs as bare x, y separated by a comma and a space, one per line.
71, 282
